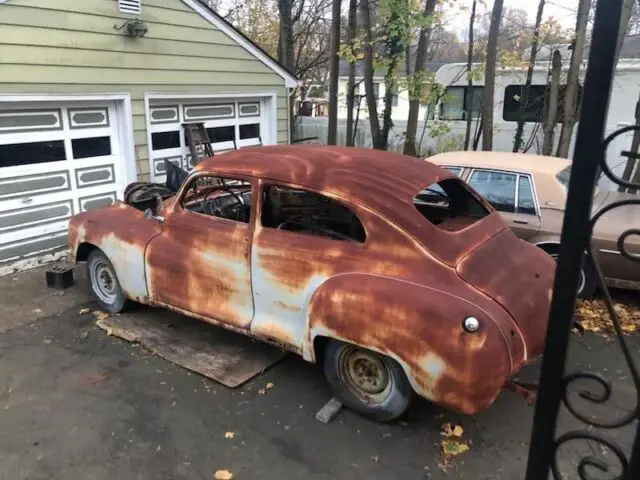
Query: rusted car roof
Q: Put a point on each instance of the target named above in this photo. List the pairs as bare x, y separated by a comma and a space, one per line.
350, 172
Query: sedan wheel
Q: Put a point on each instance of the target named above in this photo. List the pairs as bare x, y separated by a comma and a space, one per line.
104, 282
367, 382
587, 282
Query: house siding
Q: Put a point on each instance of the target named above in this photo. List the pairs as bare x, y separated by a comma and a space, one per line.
71, 47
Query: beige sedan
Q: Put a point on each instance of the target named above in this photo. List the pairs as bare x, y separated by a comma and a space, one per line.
530, 192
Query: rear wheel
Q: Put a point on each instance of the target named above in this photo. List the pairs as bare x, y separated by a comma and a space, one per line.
104, 283
587, 282
371, 384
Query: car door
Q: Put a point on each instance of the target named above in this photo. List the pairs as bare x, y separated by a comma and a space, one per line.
512, 194
293, 252
200, 263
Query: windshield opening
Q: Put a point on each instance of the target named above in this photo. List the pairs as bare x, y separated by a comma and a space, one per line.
449, 205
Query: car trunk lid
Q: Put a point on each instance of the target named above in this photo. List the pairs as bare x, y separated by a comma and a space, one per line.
519, 277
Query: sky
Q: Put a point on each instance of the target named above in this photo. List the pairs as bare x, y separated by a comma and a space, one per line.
562, 10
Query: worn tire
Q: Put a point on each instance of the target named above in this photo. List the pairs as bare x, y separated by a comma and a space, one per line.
104, 283
588, 282
341, 358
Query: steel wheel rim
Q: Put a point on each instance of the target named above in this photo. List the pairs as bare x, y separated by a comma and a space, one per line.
104, 282
583, 276
365, 374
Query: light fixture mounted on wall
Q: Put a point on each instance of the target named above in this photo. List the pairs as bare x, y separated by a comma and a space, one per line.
133, 28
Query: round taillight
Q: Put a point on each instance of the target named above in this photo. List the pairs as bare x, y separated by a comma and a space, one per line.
471, 324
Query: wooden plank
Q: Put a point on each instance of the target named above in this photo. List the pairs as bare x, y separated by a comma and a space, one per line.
226, 357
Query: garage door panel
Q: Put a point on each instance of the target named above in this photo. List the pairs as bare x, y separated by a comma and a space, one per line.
97, 201
16, 121
94, 176
39, 215
41, 246
33, 185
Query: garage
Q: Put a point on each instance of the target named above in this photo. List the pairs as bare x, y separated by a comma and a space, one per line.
231, 123
56, 159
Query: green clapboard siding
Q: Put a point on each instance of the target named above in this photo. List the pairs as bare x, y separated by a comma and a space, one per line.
71, 47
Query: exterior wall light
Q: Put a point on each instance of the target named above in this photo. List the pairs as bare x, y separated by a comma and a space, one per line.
133, 28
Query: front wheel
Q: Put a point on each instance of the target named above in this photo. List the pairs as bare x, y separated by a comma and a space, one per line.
371, 384
104, 283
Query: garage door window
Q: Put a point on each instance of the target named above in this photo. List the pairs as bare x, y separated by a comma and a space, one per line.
165, 140
249, 131
221, 134
16, 154
91, 147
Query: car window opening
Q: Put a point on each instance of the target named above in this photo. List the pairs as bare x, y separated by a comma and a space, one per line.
219, 197
309, 213
449, 205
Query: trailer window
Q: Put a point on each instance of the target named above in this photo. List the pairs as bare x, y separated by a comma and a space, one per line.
534, 110
457, 100
449, 205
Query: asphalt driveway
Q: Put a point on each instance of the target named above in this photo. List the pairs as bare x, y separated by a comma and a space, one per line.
76, 403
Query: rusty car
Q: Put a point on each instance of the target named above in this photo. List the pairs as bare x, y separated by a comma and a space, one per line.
388, 271
530, 192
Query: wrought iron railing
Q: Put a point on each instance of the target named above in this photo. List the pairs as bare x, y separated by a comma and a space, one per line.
555, 384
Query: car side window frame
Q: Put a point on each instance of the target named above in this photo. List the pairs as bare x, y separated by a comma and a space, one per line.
534, 194
184, 189
450, 167
518, 175
495, 170
265, 184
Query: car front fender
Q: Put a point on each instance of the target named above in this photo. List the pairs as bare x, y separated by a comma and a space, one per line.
421, 328
123, 234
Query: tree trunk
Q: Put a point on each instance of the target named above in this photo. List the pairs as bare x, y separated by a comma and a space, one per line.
551, 113
490, 76
372, 101
415, 93
524, 99
472, 20
351, 82
332, 136
286, 47
625, 16
571, 106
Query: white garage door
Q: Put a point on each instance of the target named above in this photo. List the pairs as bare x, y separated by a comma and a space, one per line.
55, 161
231, 124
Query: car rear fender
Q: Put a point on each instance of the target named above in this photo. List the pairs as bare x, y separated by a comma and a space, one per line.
421, 328
123, 234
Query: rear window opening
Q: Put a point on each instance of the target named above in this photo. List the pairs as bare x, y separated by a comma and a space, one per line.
449, 205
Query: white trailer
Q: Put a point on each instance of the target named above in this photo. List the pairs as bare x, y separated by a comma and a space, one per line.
508, 88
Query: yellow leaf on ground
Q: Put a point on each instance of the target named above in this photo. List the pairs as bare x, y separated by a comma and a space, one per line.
223, 475
229, 435
83, 311
262, 391
453, 448
450, 430
270, 385
457, 431
100, 315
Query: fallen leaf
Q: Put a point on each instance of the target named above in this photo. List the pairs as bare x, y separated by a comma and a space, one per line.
37, 310
47, 341
453, 448
229, 435
262, 391
109, 331
223, 475
450, 430
100, 315
84, 311
269, 386
594, 316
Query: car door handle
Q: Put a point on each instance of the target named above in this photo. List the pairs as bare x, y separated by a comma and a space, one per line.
520, 221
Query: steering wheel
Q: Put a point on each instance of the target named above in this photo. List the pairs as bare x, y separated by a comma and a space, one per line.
217, 211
